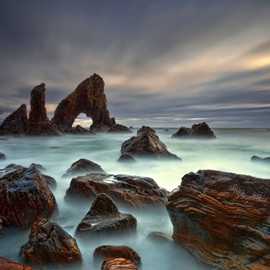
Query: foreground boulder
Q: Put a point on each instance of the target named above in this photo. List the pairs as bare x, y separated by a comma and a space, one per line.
119, 263
88, 98
6, 264
24, 195
111, 252
147, 144
104, 217
223, 218
49, 243
128, 190
2, 156
201, 130
16, 123
260, 159
38, 123
83, 166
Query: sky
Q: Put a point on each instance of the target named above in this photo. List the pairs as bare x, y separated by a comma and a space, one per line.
165, 63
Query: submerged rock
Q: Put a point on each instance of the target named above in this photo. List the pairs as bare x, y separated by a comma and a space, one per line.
16, 123
83, 166
159, 237
24, 195
104, 217
2, 156
126, 158
88, 98
117, 128
201, 130
260, 159
128, 190
223, 218
38, 123
6, 264
147, 144
119, 263
49, 243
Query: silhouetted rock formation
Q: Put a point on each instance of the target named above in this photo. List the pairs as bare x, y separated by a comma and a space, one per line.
117, 128
6, 264
38, 123
24, 195
260, 159
223, 218
104, 217
88, 98
49, 243
201, 130
16, 123
107, 252
147, 144
128, 190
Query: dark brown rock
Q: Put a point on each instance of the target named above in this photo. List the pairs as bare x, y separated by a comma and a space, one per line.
127, 190
83, 166
111, 252
201, 130
223, 218
49, 243
24, 196
6, 264
38, 123
147, 144
117, 128
16, 123
104, 217
260, 159
88, 98
119, 264
2, 156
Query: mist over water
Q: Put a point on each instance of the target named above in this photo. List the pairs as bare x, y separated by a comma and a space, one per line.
231, 151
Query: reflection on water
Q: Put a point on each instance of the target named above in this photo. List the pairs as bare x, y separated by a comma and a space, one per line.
230, 152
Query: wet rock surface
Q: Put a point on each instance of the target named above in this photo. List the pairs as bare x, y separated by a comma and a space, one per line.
84, 166
261, 159
6, 264
16, 123
132, 191
223, 218
104, 217
119, 263
201, 130
147, 144
49, 243
24, 195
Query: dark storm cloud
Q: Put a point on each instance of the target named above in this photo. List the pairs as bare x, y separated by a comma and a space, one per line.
158, 58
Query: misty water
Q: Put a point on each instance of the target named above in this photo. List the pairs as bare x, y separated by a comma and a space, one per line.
231, 151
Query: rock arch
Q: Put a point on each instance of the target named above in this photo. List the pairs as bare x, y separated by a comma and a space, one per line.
88, 98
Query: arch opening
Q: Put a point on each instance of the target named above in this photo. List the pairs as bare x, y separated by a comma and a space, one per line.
82, 120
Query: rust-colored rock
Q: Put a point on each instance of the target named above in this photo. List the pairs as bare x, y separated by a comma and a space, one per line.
16, 123
104, 217
88, 98
49, 243
38, 123
128, 190
24, 195
119, 264
223, 218
6, 264
111, 252
147, 144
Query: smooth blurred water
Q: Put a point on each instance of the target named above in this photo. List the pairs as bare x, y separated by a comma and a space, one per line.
231, 151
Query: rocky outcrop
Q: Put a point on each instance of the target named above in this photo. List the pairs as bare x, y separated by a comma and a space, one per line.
83, 166
49, 243
2, 156
223, 218
104, 217
111, 252
38, 122
16, 123
6, 264
24, 195
119, 263
201, 130
117, 128
126, 190
147, 144
88, 98
260, 159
